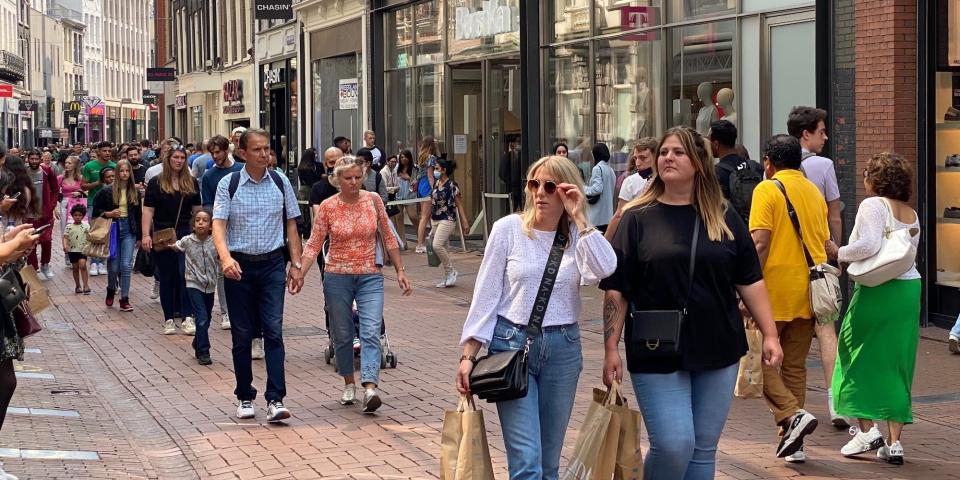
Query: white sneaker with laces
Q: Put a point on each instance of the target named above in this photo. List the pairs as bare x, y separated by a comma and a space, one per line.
443, 283
45, 269
421, 249
102, 269
6, 476
797, 457
954, 344
276, 411
256, 350
452, 278
801, 425
189, 326
225, 322
371, 400
92, 269
246, 410
892, 454
862, 442
155, 294
349, 395
169, 328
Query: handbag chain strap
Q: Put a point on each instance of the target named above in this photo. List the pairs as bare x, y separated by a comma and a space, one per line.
693, 260
176, 221
795, 220
546, 286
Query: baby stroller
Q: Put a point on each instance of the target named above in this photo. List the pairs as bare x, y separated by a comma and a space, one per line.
388, 358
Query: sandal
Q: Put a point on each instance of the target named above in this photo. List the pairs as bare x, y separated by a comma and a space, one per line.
78, 290
86, 292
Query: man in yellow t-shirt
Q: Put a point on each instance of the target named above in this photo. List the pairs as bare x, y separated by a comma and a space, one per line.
786, 274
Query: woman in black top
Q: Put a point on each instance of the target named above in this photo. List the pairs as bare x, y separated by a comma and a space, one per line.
307, 172
684, 398
120, 202
173, 191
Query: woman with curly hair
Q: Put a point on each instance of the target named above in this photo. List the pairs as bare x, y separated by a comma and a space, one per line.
877, 345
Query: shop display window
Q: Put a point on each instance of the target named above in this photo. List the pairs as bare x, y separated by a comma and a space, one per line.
628, 72
401, 127
615, 16
475, 29
430, 102
399, 36
428, 17
681, 10
567, 20
700, 64
947, 179
568, 108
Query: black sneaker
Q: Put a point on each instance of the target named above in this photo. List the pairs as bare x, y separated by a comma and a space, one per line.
204, 359
803, 424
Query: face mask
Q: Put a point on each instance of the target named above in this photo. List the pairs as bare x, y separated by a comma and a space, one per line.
436, 174
330, 171
646, 172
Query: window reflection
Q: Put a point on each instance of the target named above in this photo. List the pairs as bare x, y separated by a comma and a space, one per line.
567, 107
613, 16
701, 64
692, 9
399, 33
429, 18
568, 20
474, 30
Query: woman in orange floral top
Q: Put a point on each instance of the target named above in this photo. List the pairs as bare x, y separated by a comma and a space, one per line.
352, 219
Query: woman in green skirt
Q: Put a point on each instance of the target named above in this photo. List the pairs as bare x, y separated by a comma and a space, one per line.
877, 345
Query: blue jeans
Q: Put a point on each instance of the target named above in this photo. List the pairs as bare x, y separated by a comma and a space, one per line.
202, 304
955, 331
534, 426
257, 299
684, 413
170, 271
122, 264
339, 293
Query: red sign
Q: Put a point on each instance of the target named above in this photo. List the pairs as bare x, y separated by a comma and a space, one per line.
233, 91
96, 111
133, 114
6, 91
633, 18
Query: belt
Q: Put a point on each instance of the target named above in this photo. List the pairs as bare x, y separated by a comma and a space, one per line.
263, 257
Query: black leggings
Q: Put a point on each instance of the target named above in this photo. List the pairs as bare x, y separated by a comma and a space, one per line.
8, 383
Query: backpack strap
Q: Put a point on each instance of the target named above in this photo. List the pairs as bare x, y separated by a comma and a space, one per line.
234, 184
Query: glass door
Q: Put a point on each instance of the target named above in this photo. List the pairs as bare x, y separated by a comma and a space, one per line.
466, 144
504, 171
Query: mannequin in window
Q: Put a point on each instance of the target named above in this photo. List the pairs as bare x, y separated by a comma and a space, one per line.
642, 100
708, 113
725, 100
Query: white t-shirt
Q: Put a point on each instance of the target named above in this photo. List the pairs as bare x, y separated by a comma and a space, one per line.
152, 172
631, 187
821, 172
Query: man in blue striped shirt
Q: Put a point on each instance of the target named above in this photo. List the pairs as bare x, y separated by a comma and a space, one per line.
252, 207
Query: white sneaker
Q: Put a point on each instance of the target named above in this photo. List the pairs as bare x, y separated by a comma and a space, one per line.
256, 350
443, 283
45, 269
276, 411
189, 326
452, 278
421, 249
862, 442
892, 454
371, 401
954, 344
797, 457
225, 322
6, 476
801, 425
93, 270
101, 269
837, 420
155, 294
246, 410
169, 328
349, 394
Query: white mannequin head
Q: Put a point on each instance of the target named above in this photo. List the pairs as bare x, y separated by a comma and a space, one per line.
725, 99
705, 93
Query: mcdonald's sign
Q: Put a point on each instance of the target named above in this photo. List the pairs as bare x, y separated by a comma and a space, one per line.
74, 107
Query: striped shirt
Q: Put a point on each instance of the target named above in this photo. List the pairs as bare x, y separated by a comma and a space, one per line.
254, 215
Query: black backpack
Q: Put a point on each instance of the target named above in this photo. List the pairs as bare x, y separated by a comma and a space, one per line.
743, 180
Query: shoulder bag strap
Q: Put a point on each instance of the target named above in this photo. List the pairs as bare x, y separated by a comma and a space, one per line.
792, 213
693, 260
546, 285
176, 221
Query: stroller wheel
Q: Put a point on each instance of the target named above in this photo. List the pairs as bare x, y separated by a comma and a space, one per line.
327, 355
383, 361
392, 360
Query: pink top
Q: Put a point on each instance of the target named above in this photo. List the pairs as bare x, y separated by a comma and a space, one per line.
352, 228
67, 190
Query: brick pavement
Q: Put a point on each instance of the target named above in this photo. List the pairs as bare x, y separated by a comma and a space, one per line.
150, 411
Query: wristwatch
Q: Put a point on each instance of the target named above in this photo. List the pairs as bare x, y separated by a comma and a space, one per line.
472, 358
296, 265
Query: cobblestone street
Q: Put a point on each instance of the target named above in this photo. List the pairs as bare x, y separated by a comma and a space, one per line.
102, 394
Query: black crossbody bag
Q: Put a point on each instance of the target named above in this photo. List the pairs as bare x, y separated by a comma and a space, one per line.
656, 333
503, 376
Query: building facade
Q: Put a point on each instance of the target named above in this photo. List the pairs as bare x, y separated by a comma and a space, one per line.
94, 108
125, 51
277, 50
12, 71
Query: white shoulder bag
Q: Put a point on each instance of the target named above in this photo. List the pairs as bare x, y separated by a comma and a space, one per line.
895, 257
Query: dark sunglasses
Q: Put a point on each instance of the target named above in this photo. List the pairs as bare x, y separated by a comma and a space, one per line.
549, 186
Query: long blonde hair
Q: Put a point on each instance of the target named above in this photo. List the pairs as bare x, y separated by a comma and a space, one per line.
184, 180
428, 146
707, 199
133, 196
563, 171
74, 173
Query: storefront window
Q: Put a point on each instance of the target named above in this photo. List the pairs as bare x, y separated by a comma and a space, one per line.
290, 152
567, 105
621, 16
399, 33
430, 102
197, 119
681, 10
700, 63
567, 20
627, 89
401, 133
475, 31
429, 21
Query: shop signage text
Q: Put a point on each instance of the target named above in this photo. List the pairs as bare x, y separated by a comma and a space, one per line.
349, 94
161, 74
81, 93
273, 76
6, 91
148, 99
273, 10
72, 106
91, 101
28, 106
493, 19
233, 96
95, 111
181, 101
632, 18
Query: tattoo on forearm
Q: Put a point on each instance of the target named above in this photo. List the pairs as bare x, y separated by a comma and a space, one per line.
611, 315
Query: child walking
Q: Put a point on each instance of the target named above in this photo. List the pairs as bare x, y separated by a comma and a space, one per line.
74, 239
201, 275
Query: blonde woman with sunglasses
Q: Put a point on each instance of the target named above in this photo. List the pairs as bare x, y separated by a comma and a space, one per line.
504, 295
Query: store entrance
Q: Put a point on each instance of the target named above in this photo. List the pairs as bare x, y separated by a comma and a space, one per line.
279, 112
485, 135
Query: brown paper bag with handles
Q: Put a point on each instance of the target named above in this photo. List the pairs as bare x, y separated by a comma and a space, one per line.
750, 375
629, 464
464, 453
38, 295
595, 453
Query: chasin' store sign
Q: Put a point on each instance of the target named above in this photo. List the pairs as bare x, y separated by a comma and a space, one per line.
493, 19
273, 10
